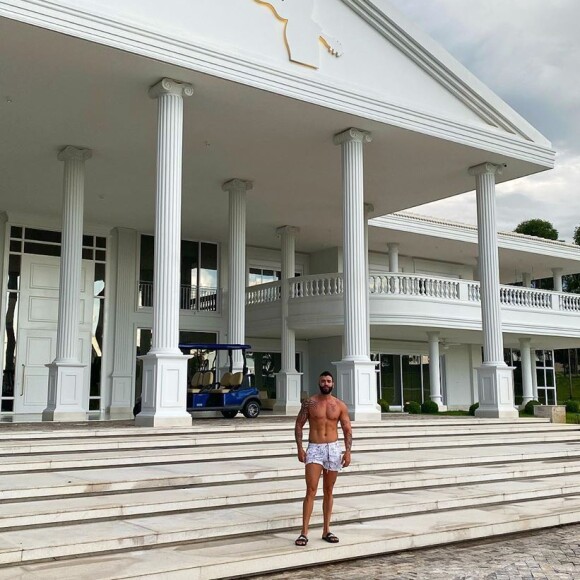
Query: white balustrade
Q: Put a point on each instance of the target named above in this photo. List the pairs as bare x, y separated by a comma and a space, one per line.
398, 284
570, 302
263, 293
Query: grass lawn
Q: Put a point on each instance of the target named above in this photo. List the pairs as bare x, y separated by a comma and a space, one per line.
563, 387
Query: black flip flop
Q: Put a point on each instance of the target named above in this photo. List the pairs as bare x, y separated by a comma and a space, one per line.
330, 538
301, 540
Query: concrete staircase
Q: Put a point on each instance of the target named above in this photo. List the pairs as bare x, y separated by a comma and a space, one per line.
223, 498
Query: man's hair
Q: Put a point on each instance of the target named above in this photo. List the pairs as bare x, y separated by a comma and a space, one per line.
326, 374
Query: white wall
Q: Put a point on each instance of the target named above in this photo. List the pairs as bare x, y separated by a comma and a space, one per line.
323, 352
458, 367
326, 261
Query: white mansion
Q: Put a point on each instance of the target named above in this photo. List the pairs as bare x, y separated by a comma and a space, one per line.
193, 172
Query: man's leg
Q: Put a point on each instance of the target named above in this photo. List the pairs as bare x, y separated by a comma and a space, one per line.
328, 481
313, 471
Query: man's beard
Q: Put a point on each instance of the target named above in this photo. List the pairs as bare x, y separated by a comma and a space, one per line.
326, 390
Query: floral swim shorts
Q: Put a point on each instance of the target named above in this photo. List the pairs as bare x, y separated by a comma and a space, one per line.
329, 455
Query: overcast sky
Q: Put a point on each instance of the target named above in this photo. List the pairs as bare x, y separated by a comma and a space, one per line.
528, 53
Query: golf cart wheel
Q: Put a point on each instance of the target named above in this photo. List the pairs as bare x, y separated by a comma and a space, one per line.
229, 414
251, 409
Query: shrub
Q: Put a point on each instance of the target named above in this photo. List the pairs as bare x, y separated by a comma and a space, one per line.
473, 408
572, 406
430, 408
412, 407
529, 407
384, 406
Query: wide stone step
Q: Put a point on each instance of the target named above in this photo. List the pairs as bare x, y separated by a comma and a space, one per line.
250, 555
89, 459
189, 440
240, 425
97, 480
41, 543
131, 503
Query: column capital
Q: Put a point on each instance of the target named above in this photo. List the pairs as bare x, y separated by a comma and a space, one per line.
486, 167
288, 230
393, 245
74, 153
170, 87
352, 134
237, 185
557, 271
525, 341
433, 336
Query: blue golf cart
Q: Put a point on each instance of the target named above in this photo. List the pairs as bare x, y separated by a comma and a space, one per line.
228, 394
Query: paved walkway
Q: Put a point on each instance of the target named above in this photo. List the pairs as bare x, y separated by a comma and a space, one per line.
552, 554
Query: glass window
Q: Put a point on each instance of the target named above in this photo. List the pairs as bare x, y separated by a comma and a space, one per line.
13, 272
88, 241
101, 242
42, 235
10, 334
41, 249
15, 232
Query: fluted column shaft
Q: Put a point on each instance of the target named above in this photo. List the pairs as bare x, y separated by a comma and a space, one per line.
527, 378
355, 280
489, 262
71, 253
434, 368
166, 276
237, 189
288, 339
393, 257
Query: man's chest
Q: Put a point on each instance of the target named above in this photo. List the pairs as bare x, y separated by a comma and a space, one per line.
327, 410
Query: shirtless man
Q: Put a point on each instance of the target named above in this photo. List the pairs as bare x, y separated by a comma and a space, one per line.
323, 455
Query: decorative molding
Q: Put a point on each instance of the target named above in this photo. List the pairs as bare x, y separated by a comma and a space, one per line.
171, 87
150, 43
69, 153
288, 230
353, 134
302, 33
238, 185
486, 168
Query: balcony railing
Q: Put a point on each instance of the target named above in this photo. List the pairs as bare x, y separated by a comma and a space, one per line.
415, 285
190, 297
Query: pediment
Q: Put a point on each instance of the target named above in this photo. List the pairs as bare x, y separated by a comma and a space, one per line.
362, 51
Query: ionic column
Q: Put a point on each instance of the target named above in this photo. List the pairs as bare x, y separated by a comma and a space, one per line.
495, 378
435, 370
356, 376
393, 257
288, 380
237, 189
368, 210
526, 280
557, 273
527, 378
67, 397
165, 367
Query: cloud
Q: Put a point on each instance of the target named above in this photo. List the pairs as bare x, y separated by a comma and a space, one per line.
528, 53
548, 195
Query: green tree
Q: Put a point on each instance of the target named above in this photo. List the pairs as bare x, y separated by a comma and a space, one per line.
538, 228
571, 282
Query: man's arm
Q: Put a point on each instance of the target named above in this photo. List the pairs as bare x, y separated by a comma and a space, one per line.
347, 431
299, 428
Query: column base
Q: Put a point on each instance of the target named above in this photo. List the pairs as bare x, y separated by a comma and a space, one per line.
67, 400
163, 399
121, 396
496, 392
356, 385
288, 387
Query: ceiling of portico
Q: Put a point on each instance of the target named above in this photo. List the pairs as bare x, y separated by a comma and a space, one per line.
58, 91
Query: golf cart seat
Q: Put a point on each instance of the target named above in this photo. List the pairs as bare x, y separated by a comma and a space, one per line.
196, 382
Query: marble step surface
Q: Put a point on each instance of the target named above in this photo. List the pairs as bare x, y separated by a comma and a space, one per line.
79, 460
274, 550
262, 424
40, 543
127, 442
15, 486
134, 503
